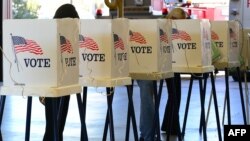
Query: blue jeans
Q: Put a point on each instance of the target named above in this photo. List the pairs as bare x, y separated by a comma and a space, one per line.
147, 110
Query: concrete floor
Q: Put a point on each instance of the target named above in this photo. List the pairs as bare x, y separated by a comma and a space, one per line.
13, 124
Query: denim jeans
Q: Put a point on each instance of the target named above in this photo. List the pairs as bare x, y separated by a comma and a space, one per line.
147, 110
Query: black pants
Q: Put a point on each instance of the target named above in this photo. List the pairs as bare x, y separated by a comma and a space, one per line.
49, 134
175, 123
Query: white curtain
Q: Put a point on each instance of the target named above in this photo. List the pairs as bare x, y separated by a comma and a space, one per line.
7, 9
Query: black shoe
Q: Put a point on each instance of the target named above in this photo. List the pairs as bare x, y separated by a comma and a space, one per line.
141, 139
172, 132
155, 138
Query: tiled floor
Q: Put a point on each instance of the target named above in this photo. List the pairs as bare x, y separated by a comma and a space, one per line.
13, 124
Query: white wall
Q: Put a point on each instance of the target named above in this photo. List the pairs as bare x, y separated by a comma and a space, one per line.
245, 14
241, 6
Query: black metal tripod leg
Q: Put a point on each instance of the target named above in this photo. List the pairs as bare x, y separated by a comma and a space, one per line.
2, 104
205, 76
128, 119
84, 135
84, 101
110, 113
131, 114
202, 99
228, 97
187, 106
28, 118
128, 124
216, 106
242, 97
109, 116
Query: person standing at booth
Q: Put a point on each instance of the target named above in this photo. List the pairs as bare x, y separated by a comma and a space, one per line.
147, 107
147, 110
175, 14
64, 11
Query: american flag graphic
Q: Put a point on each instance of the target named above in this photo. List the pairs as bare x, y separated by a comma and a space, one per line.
163, 36
137, 37
214, 36
232, 34
87, 42
25, 45
118, 42
179, 34
65, 45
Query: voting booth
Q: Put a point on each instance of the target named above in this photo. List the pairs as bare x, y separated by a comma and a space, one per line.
225, 35
191, 40
150, 53
41, 57
245, 50
104, 52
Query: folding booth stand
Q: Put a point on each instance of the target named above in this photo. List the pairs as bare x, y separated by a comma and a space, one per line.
192, 55
40, 62
225, 37
245, 53
104, 63
150, 57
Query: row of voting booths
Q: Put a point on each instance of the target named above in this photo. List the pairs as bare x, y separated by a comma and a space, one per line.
108, 49
57, 57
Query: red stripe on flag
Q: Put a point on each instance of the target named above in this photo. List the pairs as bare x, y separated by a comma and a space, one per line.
137, 37
88, 43
214, 36
164, 38
119, 44
29, 46
181, 35
65, 45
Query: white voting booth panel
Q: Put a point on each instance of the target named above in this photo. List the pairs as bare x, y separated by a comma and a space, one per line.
245, 50
225, 35
191, 40
150, 53
41, 57
103, 52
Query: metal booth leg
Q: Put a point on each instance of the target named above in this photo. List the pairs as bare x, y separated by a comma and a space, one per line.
216, 106
202, 99
187, 106
82, 112
2, 104
205, 76
157, 96
227, 96
109, 116
84, 102
28, 118
131, 114
241, 96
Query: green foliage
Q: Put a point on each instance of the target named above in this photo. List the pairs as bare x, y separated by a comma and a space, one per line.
25, 9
